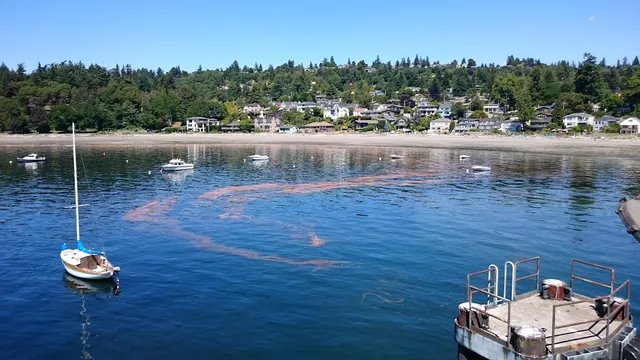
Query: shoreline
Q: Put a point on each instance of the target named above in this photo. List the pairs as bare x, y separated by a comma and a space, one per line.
585, 146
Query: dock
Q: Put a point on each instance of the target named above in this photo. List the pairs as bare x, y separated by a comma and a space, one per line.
550, 320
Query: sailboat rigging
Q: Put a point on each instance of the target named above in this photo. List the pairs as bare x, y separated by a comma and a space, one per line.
82, 262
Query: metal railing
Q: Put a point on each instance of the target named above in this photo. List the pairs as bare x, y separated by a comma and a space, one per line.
515, 279
609, 318
487, 291
612, 275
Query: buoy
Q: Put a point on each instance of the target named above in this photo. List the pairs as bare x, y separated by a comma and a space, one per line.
149, 172
312, 158
127, 161
245, 160
379, 159
294, 166
10, 162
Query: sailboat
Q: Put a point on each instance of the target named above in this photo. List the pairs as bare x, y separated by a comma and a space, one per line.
82, 262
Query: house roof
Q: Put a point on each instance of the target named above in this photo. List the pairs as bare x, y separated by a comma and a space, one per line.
631, 120
608, 118
368, 122
442, 120
319, 124
577, 114
445, 105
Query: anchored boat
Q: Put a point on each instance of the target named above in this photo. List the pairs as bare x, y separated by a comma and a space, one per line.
31, 158
258, 157
82, 262
478, 168
177, 165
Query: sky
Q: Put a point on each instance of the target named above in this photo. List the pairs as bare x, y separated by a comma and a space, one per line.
189, 33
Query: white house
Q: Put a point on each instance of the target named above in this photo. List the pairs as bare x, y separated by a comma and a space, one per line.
577, 119
492, 109
440, 125
306, 105
201, 124
335, 111
630, 126
424, 108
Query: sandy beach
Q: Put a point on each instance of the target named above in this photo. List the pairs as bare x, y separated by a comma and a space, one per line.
584, 146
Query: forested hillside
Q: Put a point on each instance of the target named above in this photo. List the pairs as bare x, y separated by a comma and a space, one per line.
54, 95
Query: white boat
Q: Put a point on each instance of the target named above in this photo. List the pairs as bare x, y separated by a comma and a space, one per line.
394, 156
257, 157
82, 262
462, 157
480, 168
177, 165
31, 158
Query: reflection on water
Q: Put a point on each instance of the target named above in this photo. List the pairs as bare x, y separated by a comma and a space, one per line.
233, 248
30, 166
259, 163
83, 288
177, 177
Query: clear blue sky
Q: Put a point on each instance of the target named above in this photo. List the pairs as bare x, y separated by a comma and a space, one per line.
162, 33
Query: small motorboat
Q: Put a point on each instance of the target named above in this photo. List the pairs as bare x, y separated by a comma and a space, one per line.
463, 157
176, 165
478, 168
394, 156
257, 157
629, 212
31, 158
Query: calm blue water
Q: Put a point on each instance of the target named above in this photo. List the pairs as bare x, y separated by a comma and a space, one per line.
410, 244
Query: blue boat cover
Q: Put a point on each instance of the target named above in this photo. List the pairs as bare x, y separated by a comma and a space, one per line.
84, 249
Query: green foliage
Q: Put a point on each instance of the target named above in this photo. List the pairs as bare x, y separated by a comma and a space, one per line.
458, 110
122, 97
452, 125
479, 114
424, 124
613, 128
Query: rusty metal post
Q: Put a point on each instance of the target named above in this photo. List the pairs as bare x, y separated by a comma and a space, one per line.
508, 324
606, 336
553, 329
571, 278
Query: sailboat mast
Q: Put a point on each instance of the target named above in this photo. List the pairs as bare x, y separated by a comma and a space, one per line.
75, 181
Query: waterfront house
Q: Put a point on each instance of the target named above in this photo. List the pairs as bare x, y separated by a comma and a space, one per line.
231, 127
318, 127
288, 106
440, 125
601, 123
306, 105
630, 126
466, 125
445, 109
577, 119
393, 108
363, 124
424, 108
371, 113
335, 111
201, 124
544, 115
288, 129
253, 110
511, 126
267, 124
492, 110
488, 125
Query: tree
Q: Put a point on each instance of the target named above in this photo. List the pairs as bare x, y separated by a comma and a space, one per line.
476, 104
479, 114
612, 102
504, 89
61, 116
635, 62
471, 64
613, 127
588, 80
458, 110
524, 105
38, 120
12, 116
632, 92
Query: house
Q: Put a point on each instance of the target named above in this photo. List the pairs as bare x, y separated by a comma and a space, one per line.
440, 125
445, 109
510, 126
267, 124
318, 127
377, 93
466, 125
335, 111
363, 124
306, 105
288, 129
492, 109
630, 126
393, 108
321, 98
201, 124
424, 108
231, 127
601, 123
288, 106
253, 109
371, 113
577, 119
401, 123
489, 125
544, 115
357, 111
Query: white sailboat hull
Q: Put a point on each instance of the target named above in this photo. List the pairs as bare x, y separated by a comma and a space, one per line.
258, 157
85, 275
